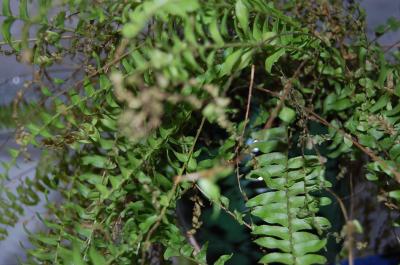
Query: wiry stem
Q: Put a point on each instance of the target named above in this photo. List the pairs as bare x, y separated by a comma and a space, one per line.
282, 98
170, 195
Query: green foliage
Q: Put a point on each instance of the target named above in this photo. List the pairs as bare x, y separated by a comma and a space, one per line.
170, 93
289, 207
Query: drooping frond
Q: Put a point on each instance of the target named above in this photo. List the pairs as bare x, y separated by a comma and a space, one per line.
291, 228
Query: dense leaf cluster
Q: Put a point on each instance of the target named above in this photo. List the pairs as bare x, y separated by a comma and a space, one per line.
171, 96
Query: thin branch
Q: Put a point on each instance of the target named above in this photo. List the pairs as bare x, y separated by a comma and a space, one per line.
32, 40
282, 98
274, 93
341, 204
171, 194
386, 30
103, 69
226, 210
97, 72
246, 120
388, 48
349, 227
365, 150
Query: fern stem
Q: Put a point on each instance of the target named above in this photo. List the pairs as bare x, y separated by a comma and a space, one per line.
289, 215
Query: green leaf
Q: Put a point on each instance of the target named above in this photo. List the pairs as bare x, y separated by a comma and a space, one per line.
104, 191
202, 255
146, 224
224, 258
44, 255
224, 24
14, 152
230, 62
272, 243
342, 104
33, 128
23, 9
76, 256
225, 201
368, 84
273, 58
380, 29
171, 252
393, 23
332, 102
192, 164
182, 157
273, 257
47, 239
210, 189
269, 37
130, 30
166, 132
181, 7
242, 13
395, 194
311, 259
6, 8
304, 246
214, 31
97, 161
257, 32
381, 103
287, 114
96, 257
6, 29
210, 112
45, 91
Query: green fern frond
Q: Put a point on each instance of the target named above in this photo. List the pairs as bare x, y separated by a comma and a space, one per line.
290, 206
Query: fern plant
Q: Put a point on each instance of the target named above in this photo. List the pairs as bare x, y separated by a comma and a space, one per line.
163, 101
288, 208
